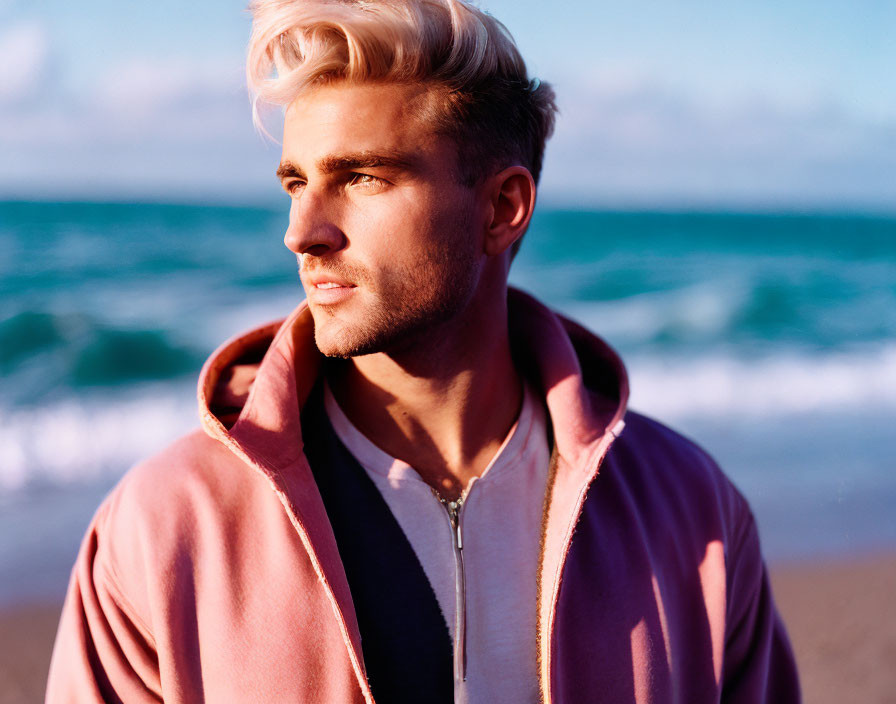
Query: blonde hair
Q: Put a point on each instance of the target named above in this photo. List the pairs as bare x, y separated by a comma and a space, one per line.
496, 114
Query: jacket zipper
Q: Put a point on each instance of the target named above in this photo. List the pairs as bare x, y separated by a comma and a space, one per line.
460, 617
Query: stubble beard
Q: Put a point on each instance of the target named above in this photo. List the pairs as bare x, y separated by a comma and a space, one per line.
408, 305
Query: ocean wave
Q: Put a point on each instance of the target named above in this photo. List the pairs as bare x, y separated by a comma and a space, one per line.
41, 351
785, 385
99, 436
749, 309
90, 437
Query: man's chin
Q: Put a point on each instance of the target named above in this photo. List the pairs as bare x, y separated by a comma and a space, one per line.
342, 343
345, 342
368, 332
330, 347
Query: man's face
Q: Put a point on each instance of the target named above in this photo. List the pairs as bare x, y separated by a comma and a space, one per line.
389, 240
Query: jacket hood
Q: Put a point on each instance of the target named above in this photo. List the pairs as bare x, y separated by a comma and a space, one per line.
252, 386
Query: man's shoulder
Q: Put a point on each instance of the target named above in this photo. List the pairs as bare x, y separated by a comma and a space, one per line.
656, 443
167, 498
652, 436
161, 482
665, 471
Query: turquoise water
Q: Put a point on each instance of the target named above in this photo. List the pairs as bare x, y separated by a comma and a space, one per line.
771, 339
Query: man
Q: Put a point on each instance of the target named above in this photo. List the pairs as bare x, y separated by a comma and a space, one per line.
417, 487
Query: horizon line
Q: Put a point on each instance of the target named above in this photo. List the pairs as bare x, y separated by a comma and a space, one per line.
620, 206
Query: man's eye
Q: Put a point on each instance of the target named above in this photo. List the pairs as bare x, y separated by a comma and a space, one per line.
365, 180
293, 187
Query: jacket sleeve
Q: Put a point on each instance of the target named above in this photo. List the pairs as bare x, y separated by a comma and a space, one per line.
759, 666
103, 650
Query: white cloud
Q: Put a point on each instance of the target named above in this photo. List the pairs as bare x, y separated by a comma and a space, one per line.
624, 138
146, 129
24, 51
169, 102
147, 87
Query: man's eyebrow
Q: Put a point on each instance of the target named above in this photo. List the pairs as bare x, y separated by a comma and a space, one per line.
288, 170
365, 160
348, 162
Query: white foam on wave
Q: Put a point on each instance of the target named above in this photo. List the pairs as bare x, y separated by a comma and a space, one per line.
88, 438
701, 310
101, 435
786, 384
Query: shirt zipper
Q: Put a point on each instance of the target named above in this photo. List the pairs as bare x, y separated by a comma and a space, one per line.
453, 509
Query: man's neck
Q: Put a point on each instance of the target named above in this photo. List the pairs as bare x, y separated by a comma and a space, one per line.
444, 405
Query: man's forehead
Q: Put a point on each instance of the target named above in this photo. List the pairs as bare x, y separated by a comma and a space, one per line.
344, 119
348, 104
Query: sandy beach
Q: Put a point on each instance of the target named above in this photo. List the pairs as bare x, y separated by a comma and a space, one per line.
840, 615
842, 623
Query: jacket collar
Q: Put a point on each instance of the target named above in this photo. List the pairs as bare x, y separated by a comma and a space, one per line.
252, 386
582, 380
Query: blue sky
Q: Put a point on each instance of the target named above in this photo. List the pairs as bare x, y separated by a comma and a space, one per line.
664, 104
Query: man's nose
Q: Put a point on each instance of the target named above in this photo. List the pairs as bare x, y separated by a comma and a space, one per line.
312, 229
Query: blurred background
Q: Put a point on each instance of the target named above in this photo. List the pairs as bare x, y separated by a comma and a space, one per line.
718, 202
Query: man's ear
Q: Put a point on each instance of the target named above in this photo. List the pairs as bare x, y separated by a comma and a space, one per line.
513, 200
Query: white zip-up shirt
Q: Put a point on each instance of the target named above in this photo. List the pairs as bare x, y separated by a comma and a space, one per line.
500, 524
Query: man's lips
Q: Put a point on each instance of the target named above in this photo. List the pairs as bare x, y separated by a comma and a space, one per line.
326, 289
322, 280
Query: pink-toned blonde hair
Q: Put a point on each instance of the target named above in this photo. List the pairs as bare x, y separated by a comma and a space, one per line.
496, 114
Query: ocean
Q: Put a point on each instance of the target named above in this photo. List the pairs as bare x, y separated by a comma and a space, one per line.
770, 339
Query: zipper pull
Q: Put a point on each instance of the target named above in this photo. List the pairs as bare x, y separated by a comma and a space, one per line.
454, 512
453, 509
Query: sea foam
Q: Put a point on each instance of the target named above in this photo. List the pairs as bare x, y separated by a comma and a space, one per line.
90, 437
783, 385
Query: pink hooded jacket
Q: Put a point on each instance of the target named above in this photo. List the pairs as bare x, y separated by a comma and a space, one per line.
210, 573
